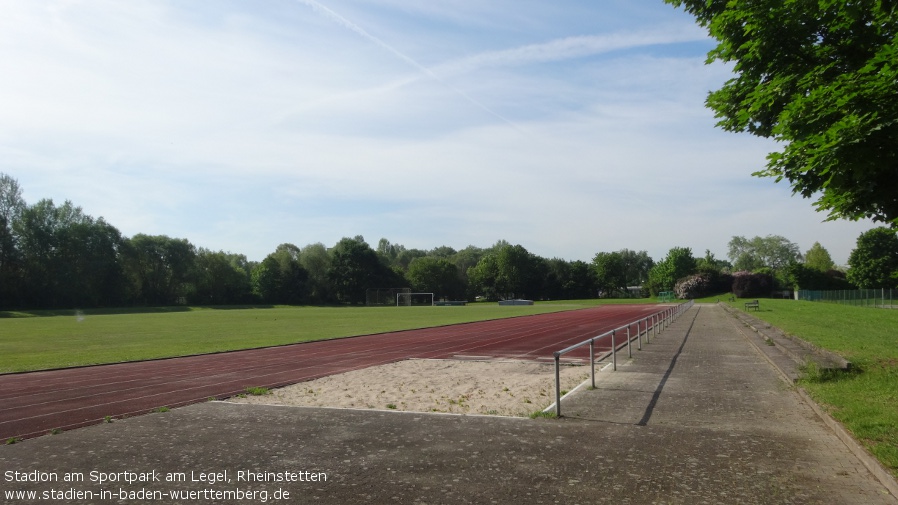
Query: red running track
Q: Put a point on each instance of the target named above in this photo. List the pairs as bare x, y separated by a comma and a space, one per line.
35, 403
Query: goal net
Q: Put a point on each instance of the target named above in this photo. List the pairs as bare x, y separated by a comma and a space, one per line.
414, 299
384, 297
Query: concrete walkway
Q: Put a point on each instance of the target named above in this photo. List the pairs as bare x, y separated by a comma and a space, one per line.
698, 416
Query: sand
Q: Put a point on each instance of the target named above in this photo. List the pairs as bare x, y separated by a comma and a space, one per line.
503, 388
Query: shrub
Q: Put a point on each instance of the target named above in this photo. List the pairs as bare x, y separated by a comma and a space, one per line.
802, 277
693, 286
747, 284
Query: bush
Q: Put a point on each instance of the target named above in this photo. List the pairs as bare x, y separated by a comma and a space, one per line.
693, 286
747, 284
802, 277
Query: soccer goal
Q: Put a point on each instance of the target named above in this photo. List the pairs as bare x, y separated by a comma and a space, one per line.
414, 299
666, 296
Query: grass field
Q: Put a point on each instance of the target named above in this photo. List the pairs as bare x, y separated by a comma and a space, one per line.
53, 339
866, 399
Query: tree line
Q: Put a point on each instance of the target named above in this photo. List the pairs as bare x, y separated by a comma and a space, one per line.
56, 256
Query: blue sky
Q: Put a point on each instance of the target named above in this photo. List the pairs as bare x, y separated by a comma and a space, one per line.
569, 127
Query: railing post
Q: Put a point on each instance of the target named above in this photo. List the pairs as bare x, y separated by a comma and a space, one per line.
613, 352
638, 336
557, 385
592, 361
629, 349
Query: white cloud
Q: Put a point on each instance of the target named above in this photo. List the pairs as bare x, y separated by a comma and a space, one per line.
241, 126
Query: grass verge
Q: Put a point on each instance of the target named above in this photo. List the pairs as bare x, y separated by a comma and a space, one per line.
865, 399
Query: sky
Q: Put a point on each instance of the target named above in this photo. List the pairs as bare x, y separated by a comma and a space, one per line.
569, 127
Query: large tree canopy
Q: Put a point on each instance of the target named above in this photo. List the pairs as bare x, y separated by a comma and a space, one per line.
874, 263
772, 251
821, 77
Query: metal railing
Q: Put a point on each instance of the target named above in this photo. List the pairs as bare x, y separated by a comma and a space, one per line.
659, 321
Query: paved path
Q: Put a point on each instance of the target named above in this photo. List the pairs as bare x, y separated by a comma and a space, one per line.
699, 416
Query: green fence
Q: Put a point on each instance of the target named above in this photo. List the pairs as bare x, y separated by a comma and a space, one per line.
876, 298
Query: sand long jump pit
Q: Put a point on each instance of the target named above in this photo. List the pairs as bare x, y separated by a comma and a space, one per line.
495, 387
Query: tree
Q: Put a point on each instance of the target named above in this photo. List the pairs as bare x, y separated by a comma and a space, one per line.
465, 259
580, 283
387, 251
506, 271
435, 275
819, 78
280, 278
293, 279
90, 264
317, 261
818, 258
773, 251
68, 259
570, 280
355, 268
443, 251
160, 268
716, 276
678, 263
539, 278
874, 262
11, 206
482, 278
220, 278
636, 266
611, 273
801, 276
515, 274
406, 256
266, 280
711, 264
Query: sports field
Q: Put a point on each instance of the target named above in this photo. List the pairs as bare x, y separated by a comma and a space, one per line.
54, 339
38, 402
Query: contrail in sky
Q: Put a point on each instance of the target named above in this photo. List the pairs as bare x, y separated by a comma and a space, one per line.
321, 9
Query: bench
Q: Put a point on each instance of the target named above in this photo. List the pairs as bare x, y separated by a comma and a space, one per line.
752, 305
